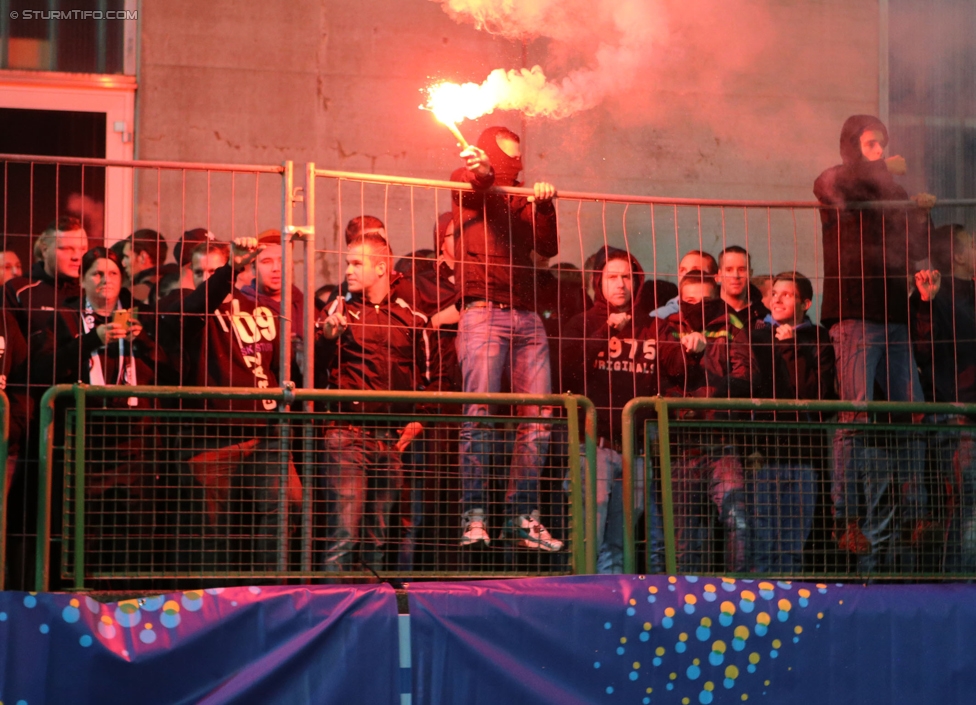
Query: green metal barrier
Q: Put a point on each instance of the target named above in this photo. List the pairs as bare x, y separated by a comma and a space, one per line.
290, 430
918, 460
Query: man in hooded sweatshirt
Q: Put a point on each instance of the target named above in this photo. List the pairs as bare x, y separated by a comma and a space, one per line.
869, 254
499, 329
611, 356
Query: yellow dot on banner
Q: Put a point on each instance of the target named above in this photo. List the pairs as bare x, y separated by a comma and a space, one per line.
685, 701
652, 589
697, 662
193, 595
732, 672
719, 646
777, 643
709, 685
798, 629
659, 651
728, 580
690, 599
623, 640
742, 632
673, 676
765, 682
672, 580
765, 586
706, 621
669, 612
709, 588
804, 593
682, 637
753, 658
148, 625
749, 595
728, 608
649, 691
636, 665
819, 615
762, 618
745, 697
73, 603
171, 606
840, 602
647, 626
821, 586
106, 619
633, 601
784, 605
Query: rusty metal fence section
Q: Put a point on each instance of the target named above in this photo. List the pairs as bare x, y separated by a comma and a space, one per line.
154, 495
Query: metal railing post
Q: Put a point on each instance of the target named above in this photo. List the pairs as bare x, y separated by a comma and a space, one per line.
627, 431
287, 271
580, 548
42, 565
590, 518
667, 497
4, 440
80, 441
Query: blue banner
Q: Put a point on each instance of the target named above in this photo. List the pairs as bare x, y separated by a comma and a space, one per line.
233, 645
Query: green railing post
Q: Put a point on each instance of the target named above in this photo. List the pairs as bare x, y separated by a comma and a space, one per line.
580, 549
590, 430
80, 440
667, 497
4, 440
42, 564
627, 431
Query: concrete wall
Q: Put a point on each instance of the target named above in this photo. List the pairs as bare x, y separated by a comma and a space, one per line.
745, 103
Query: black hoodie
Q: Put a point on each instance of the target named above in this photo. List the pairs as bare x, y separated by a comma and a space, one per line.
33, 300
868, 253
611, 367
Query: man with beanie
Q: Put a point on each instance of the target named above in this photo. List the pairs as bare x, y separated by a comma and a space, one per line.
868, 258
610, 356
496, 236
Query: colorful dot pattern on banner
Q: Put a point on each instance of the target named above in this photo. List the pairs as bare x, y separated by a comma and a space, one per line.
712, 640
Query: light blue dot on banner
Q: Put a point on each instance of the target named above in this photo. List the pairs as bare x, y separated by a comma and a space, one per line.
656, 661
783, 615
703, 633
126, 618
822, 591
725, 619
651, 599
785, 585
596, 664
3, 616
738, 644
773, 654
644, 636
728, 587
609, 690
728, 683
715, 658
70, 614
44, 629
705, 697
646, 701
620, 651
106, 630
607, 625
689, 609
693, 672
667, 622
751, 668
30, 601
170, 620
147, 636
85, 640
214, 591
151, 604
681, 647
692, 578
670, 686
94, 606
747, 606
192, 601
21, 702
633, 675
233, 603
760, 630
710, 597
671, 588
254, 589
766, 594
631, 611
804, 602
796, 640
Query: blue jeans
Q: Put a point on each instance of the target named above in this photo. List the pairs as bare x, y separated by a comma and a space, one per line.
489, 341
882, 488
782, 501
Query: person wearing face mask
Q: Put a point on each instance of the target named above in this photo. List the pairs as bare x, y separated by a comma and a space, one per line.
496, 236
611, 356
869, 253
717, 363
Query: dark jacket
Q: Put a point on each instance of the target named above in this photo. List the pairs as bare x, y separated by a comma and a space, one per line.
385, 347
868, 253
944, 337
33, 300
496, 234
13, 378
434, 289
611, 367
802, 367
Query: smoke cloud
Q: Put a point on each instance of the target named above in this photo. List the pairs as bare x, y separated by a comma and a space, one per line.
613, 39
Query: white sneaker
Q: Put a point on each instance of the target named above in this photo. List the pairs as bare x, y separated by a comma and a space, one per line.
532, 534
473, 524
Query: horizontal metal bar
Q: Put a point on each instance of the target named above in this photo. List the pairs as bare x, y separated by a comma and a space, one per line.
811, 405
143, 164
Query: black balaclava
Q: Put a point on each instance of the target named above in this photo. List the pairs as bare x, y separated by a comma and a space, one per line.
850, 136
693, 315
506, 168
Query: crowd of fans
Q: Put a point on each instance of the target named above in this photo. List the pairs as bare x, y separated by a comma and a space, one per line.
486, 313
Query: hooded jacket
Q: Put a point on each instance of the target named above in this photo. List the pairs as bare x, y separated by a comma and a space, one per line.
33, 300
944, 337
868, 253
611, 366
496, 233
